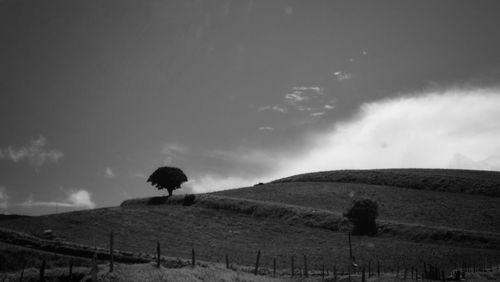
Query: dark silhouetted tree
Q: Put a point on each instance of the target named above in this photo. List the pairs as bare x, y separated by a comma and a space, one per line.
363, 215
169, 178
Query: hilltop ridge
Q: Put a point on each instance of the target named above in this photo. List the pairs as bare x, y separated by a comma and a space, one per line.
478, 182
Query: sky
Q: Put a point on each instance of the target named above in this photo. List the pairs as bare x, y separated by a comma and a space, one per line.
95, 95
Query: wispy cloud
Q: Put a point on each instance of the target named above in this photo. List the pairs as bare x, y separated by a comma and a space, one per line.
340, 76
274, 108
174, 152
295, 97
317, 114
35, 152
266, 128
4, 198
109, 173
313, 89
328, 107
74, 199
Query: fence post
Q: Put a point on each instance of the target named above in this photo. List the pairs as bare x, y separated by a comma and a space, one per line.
363, 279
306, 274
369, 269
334, 272
94, 268
22, 271
293, 267
323, 271
71, 270
42, 271
378, 268
111, 251
257, 263
274, 266
227, 261
193, 258
158, 254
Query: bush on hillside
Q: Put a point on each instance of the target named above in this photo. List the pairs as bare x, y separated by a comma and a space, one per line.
363, 215
188, 200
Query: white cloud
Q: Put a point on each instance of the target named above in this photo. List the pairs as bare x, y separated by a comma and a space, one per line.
274, 108
74, 199
108, 173
289, 10
456, 128
340, 76
426, 130
328, 107
4, 198
318, 114
216, 183
314, 89
295, 97
35, 152
266, 128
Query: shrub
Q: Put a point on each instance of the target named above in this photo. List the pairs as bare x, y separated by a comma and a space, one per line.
188, 200
363, 215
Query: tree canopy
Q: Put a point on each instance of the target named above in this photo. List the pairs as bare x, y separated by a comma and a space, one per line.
169, 178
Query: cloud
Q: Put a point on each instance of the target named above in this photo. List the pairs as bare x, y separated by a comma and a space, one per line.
35, 152
108, 173
328, 107
212, 182
313, 89
266, 128
74, 199
318, 114
422, 130
453, 128
340, 76
174, 152
295, 97
274, 108
4, 198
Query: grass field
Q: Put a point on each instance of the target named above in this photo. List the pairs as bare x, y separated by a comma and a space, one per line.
215, 233
452, 210
448, 180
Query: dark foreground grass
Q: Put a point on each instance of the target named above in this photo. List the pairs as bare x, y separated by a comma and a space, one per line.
447, 180
422, 207
215, 233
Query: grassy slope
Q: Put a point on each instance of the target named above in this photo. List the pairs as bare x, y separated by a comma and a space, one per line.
448, 180
452, 210
214, 233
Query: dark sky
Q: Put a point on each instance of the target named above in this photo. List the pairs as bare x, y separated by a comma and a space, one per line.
97, 94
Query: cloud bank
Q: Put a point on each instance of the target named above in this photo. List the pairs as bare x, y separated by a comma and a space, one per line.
455, 128
35, 152
75, 199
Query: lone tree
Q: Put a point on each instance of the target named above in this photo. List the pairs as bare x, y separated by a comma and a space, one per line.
363, 214
169, 178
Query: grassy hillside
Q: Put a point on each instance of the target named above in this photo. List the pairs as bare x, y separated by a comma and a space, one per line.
441, 209
214, 233
447, 180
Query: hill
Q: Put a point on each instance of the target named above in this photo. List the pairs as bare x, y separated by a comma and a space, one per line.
402, 205
447, 180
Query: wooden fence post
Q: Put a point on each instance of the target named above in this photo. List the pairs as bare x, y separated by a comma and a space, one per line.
193, 258
334, 272
42, 271
306, 274
363, 279
227, 261
111, 251
22, 271
274, 266
257, 263
158, 254
293, 267
94, 268
323, 271
378, 268
369, 269
71, 270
